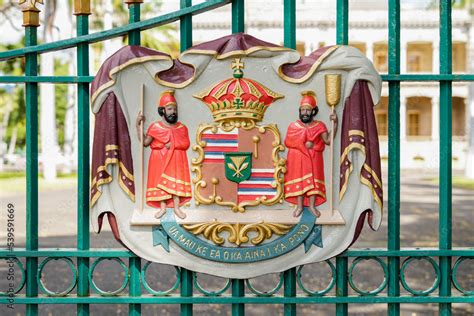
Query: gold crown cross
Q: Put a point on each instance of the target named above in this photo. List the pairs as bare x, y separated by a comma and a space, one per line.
237, 66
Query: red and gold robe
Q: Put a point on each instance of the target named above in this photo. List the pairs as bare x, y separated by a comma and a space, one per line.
168, 170
305, 167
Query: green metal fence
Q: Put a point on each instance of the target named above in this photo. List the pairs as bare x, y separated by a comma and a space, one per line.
445, 290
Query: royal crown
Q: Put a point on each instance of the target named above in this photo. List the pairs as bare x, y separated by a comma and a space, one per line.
238, 98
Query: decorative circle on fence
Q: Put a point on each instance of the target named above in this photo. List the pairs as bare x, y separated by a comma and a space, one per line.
155, 292
39, 276
455, 276
265, 293
109, 293
381, 287
405, 284
23, 274
210, 293
317, 293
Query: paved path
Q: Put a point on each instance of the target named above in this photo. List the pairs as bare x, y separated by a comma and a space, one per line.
419, 228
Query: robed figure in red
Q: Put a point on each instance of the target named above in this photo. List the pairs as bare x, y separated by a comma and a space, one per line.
306, 139
169, 183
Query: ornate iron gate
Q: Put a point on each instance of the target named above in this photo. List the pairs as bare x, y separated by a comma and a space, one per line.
139, 292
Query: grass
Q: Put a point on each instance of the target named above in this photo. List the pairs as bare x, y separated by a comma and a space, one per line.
15, 182
459, 182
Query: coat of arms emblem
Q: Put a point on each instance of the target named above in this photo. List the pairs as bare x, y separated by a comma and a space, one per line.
238, 152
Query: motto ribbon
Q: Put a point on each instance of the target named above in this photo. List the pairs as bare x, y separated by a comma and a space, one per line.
304, 232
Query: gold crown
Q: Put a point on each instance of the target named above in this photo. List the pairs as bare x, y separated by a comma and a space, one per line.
238, 98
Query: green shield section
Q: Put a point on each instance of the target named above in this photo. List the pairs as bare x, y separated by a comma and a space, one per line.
238, 166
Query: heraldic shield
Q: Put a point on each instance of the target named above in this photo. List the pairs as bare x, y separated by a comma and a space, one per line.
239, 158
239, 163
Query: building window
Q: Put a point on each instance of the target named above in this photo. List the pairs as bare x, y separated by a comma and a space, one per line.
459, 116
381, 56
413, 123
419, 57
418, 117
459, 57
360, 46
381, 116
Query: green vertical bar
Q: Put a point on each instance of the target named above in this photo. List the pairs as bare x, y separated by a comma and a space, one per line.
394, 153
238, 290
186, 41
238, 16
186, 291
289, 23
342, 38
341, 284
31, 94
135, 287
186, 27
289, 284
134, 263
83, 164
134, 16
342, 22
445, 152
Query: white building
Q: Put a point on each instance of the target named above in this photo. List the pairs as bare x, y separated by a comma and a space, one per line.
368, 31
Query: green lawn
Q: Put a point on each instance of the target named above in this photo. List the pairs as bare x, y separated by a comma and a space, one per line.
459, 182
15, 183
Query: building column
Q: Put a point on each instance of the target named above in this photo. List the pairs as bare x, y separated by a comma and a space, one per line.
435, 118
435, 57
403, 117
403, 57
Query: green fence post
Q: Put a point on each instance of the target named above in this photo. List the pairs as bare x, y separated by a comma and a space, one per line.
342, 38
394, 154
238, 290
445, 152
31, 95
186, 41
134, 16
289, 25
238, 16
134, 263
342, 22
82, 11
341, 284
186, 27
289, 290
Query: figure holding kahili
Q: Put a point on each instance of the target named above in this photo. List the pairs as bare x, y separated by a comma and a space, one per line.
306, 139
168, 183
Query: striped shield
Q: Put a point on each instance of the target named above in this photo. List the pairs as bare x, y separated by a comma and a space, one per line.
258, 185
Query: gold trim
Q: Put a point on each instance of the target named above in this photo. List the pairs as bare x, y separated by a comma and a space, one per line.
300, 192
349, 148
364, 181
309, 175
82, 7
238, 234
98, 182
174, 192
373, 174
111, 147
227, 126
114, 70
317, 192
234, 53
175, 180
311, 71
356, 132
